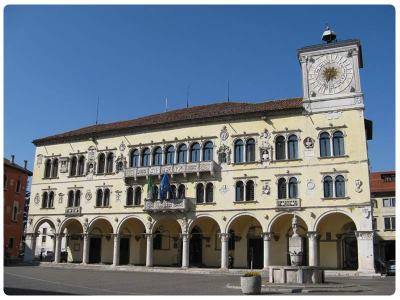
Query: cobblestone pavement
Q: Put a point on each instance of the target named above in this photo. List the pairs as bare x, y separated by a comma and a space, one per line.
36, 280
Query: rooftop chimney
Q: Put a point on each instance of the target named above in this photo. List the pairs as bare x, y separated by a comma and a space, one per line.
25, 164
12, 158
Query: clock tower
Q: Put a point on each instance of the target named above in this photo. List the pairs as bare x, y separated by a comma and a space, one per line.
331, 74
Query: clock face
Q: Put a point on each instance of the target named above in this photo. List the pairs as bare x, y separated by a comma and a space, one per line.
330, 74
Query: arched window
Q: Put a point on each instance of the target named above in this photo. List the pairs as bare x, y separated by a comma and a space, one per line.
19, 183
238, 151
280, 148
282, 188
15, 211
250, 150
110, 162
209, 192
200, 193
170, 159
45, 200
181, 191
134, 159
81, 165
339, 186
99, 197
129, 196
338, 144
293, 152
239, 191
155, 192
47, 168
146, 157
54, 171
157, 240
328, 187
77, 198
51, 199
157, 156
293, 191
138, 195
71, 198
172, 193
106, 201
231, 240
324, 145
250, 190
182, 154
101, 164
74, 166
195, 152
208, 151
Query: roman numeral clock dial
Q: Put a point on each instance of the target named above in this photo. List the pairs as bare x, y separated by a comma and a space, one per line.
330, 74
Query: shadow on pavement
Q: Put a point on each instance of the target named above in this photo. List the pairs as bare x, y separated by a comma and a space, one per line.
17, 291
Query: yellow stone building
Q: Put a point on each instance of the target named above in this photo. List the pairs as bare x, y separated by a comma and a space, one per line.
239, 173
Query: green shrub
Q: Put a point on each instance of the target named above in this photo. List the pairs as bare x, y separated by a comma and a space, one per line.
251, 274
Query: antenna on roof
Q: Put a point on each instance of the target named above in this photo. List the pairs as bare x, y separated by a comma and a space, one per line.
228, 90
166, 104
187, 96
97, 112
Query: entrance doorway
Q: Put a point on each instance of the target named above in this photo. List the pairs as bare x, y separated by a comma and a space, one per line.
255, 253
196, 247
95, 250
350, 252
124, 251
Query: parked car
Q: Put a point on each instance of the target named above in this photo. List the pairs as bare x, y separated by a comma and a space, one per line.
391, 267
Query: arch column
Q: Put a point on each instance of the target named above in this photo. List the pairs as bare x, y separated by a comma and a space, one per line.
57, 251
149, 249
85, 254
313, 254
224, 250
185, 250
116, 250
30, 246
267, 237
365, 245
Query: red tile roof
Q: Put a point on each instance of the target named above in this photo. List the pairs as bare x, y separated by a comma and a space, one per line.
195, 114
378, 185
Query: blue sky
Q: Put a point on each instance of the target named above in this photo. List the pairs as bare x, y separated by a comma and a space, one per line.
59, 59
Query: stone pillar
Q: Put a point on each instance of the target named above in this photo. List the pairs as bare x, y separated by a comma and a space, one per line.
365, 245
185, 250
57, 251
313, 254
224, 250
85, 252
149, 250
30, 247
267, 236
116, 250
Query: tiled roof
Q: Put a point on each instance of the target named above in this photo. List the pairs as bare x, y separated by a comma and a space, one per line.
8, 163
195, 114
378, 185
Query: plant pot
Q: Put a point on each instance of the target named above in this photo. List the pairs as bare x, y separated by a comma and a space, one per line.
251, 285
296, 259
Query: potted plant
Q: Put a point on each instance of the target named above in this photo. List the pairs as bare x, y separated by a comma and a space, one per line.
251, 283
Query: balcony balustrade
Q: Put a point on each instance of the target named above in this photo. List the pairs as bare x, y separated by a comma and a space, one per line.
186, 168
167, 205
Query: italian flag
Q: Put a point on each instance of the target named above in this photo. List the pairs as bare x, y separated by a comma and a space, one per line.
150, 188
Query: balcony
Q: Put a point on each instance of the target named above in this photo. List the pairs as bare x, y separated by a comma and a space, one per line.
73, 211
187, 168
288, 204
174, 205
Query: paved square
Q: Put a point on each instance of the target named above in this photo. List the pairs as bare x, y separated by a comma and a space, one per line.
36, 280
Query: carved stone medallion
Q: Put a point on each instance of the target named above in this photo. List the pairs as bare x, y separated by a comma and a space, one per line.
122, 146
88, 195
308, 142
224, 134
37, 198
358, 183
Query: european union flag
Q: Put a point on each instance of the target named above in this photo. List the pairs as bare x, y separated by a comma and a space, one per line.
165, 187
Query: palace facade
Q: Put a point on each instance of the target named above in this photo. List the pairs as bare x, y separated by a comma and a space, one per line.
239, 173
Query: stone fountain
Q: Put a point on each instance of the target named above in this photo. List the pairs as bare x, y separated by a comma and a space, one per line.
296, 272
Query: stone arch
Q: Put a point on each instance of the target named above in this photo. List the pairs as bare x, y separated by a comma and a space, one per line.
67, 221
235, 217
159, 220
126, 219
43, 220
276, 217
325, 214
192, 222
100, 218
